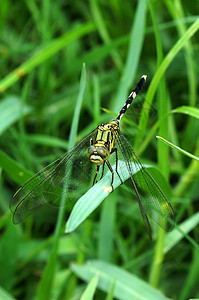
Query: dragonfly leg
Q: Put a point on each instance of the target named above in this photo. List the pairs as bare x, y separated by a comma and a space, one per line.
110, 168
116, 158
91, 142
94, 179
102, 170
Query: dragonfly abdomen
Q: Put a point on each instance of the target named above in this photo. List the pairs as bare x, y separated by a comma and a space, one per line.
132, 96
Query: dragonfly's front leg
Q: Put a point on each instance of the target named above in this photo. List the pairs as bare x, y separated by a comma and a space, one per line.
97, 171
110, 168
116, 158
102, 170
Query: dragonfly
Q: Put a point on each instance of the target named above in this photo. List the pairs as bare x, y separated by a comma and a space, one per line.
85, 165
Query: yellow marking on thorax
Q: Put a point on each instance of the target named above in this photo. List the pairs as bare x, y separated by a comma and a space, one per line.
106, 135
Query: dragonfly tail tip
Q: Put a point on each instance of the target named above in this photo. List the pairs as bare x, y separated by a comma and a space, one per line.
144, 76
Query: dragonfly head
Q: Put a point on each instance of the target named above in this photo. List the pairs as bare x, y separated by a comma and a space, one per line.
98, 154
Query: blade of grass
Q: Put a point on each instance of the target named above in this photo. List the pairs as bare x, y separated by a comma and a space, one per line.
176, 10
126, 81
13, 169
92, 199
163, 153
47, 140
11, 111
100, 24
110, 293
8, 258
158, 75
106, 230
44, 53
4, 295
187, 178
99, 51
173, 23
90, 290
188, 110
181, 231
177, 148
59, 284
45, 285
76, 116
127, 285
96, 96
134, 51
192, 277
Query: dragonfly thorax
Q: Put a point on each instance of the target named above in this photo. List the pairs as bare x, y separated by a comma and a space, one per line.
104, 142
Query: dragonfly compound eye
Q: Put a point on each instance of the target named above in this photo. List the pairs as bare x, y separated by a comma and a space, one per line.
103, 152
90, 151
97, 155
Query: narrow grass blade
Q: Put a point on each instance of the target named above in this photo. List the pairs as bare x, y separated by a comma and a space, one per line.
110, 293
107, 229
178, 148
4, 295
11, 111
91, 288
100, 24
134, 51
44, 53
47, 140
61, 277
92, 199
96, 100
13, 169
127, 285
44, 290
74, 126
173, 238
100, 52
160, 72
187, 110
176, 9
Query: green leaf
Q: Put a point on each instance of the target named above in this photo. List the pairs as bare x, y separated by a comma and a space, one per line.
61, 277
134, 51
10, 240
127, 285
10, 111
90, 290
92, 199
101, 26
173, 238
188, 110
45, 53
44, 291
46, 140
4, 295
76, 115
13, 169
110, 293
107, 229
158, 75
178, 148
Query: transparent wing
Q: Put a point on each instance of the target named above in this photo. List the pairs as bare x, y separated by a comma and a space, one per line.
69, 175
151, 199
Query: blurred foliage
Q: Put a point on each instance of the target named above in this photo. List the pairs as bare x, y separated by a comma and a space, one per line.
43, 45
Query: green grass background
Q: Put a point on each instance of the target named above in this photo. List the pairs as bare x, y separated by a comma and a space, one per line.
50, 100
